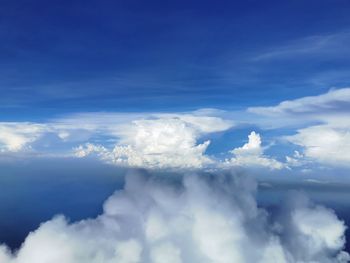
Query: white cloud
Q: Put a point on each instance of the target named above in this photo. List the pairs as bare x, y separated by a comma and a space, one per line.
331, 108
89, 148
167, 141
128, 251
296, 160
320, 228
325, 144
166, 252
156, 140
175, 140
252, 147
15, 137
252, 154
314, 230
201, 219
320, 107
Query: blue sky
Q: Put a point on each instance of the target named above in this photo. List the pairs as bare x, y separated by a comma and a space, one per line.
172, 84
61, 57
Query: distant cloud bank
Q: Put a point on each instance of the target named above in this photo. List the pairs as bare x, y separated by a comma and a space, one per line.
317, 127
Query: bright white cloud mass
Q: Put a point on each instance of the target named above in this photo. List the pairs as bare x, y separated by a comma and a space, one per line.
200, 219
251, 154
328, 141
325, 144
318, 107
16, 136
168, 141
317, 126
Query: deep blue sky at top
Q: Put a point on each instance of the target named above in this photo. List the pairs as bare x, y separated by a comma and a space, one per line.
72, 56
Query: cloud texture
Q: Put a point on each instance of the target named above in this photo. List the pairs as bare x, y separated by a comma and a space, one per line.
325, 125
207, 218
16, 136
318, 127
251, 154
169, 141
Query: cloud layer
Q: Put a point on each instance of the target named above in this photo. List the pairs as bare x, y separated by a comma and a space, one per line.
199, 219
318, 127
327, 141
318, 107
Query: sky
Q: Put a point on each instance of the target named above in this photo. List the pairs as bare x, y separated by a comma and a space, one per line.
77, 56
125, 70
177, 106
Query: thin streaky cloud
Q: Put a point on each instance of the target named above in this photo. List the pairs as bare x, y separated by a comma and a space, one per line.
335, 45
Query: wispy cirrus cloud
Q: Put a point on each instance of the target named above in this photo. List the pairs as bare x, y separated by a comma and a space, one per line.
317, 107
333, 45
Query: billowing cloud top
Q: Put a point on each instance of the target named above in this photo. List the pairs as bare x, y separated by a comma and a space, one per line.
167, 141
202, 219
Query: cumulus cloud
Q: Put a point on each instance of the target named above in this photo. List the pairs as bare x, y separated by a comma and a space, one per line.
133, 139
166, 141
320, 125
211, 218
252, 154
328, 141
325, 144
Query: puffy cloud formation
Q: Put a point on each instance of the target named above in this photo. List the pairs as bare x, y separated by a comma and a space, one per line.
212, 218
252, 154
320, 124
167, 141
328, 142
153, 140
325, 144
